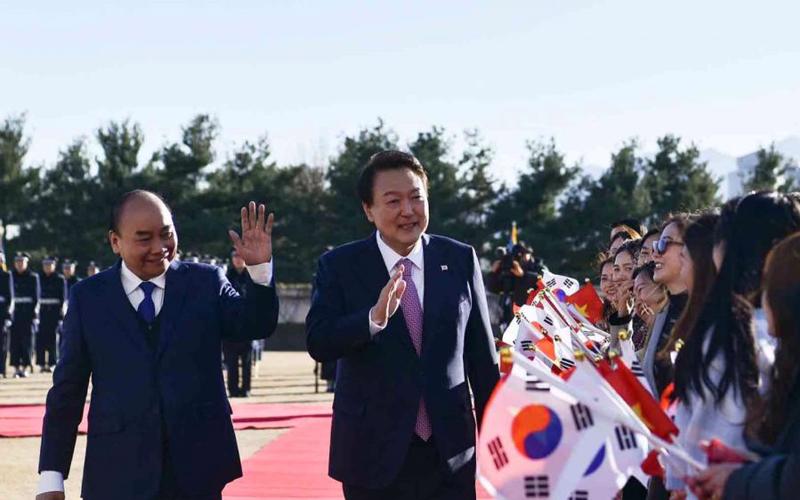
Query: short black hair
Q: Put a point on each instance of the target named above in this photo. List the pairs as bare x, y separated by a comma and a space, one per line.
389, 159
119, 206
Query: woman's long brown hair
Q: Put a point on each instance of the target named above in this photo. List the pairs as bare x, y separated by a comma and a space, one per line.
766, 416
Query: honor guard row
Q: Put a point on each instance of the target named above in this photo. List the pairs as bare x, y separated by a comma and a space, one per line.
32, 307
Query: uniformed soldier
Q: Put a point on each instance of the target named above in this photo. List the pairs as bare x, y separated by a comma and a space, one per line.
238, 351
91, 269
26, 313
68, 269
6, 310
52, 307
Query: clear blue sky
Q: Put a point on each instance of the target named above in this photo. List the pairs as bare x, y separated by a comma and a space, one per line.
591, 74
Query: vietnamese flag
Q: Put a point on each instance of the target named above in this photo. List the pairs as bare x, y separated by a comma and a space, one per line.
587, 302
639, 398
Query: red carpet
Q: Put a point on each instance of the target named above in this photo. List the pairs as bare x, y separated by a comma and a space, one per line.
26, 420
295, 465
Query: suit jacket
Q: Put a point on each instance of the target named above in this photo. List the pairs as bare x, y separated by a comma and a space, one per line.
380, 379
145, 400
777, 475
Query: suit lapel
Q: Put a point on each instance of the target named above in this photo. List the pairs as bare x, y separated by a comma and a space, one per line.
120, 307
174, 295
435, 289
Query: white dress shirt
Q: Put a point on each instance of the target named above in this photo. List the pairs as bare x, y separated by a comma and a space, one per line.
261, 274
392, 259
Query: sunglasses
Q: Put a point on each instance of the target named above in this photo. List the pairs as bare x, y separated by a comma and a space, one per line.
661, 245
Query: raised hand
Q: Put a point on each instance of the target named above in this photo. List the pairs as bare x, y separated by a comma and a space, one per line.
389, 299
255, 243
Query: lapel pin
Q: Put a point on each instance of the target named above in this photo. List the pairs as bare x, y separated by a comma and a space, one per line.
444, 268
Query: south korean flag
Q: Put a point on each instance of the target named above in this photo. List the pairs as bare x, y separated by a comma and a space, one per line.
557, 282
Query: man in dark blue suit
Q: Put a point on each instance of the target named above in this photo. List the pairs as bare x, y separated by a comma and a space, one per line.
403, 424
148, 332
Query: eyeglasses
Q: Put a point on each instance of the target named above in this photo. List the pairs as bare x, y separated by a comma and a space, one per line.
661, 245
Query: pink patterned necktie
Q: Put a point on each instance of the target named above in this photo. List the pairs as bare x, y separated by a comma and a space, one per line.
412, 312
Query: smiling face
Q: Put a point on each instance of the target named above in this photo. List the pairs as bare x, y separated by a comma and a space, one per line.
646, 253
399, 208
623, 270
668, 264
607, 281
145, 238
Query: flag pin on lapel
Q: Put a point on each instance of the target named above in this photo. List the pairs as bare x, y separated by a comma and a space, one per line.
444, 268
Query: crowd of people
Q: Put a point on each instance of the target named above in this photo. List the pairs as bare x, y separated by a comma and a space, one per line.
712, 299
33, 305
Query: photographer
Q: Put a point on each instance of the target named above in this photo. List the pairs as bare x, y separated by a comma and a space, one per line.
513, 275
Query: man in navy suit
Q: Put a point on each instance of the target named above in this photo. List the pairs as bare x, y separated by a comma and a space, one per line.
148, 332
403, 424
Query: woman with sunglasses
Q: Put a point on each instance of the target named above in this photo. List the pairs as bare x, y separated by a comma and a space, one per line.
697, 273
667, 272
773, 421
717, 370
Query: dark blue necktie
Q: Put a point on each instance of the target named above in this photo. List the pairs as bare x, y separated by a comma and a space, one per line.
147, 309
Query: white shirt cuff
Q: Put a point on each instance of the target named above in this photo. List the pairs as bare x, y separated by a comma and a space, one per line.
374, 328
261, 274
50, 480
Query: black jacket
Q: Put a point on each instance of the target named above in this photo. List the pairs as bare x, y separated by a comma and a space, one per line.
70, 282
26, 295
52, 297
777, 475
